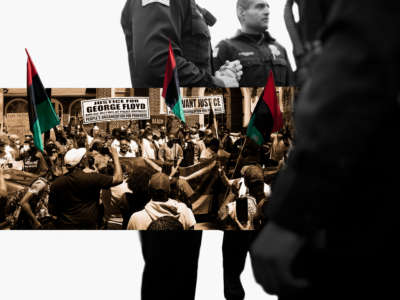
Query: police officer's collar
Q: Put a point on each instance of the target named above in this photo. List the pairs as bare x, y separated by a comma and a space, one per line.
209, 18
265, 36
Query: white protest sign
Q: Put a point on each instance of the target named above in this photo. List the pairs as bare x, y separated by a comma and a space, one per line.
115, 109
201, 105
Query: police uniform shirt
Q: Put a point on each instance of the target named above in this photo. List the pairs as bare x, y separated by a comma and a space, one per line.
149, 25
258, 54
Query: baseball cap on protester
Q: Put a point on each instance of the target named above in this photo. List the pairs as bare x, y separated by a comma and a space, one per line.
208, 132
74, 156
253, 174
159, 181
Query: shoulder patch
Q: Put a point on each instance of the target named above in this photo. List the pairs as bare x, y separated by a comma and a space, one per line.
275, 51
164, 2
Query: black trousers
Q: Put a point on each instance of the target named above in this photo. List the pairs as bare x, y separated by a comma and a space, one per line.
171, 260
235, 247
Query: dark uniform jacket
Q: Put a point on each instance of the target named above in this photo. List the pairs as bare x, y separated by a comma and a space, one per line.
149, 25
258, 55
339, 175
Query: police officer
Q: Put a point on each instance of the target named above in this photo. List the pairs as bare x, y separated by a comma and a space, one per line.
254, 47
350, 98
149, 25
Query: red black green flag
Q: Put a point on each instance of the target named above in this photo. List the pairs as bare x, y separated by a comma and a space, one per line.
171, 90
267, 116
42, 116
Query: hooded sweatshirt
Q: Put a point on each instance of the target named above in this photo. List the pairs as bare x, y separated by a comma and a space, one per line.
155, 210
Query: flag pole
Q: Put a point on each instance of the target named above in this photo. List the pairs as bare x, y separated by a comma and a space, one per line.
237, 163
240, 155
214, 118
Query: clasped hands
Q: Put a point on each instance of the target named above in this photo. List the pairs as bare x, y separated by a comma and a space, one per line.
230, 73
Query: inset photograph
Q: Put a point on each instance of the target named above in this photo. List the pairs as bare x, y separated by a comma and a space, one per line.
122, 158
242, 55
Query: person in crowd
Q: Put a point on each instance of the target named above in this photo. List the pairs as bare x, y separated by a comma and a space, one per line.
125, 149
90, 165
252, 189
54, 159
33, 160
191, 150
114, 200
71, 132
278, 147
3, 200
116, 136
134, 143
81, 140
35, 206
208, 135
163, 136
100, 153
138, 182
182, 249
156, 137
74, 197
211, 150
257, 51
94, 134
227, 140
3, 186
62, 141
6, 159
160, 205
199, 139
171, 153
166, 223
149, 150
14, 146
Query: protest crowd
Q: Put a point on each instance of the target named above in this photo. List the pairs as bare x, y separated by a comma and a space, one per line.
125, 178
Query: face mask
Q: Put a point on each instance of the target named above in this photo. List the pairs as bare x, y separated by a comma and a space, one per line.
170, 144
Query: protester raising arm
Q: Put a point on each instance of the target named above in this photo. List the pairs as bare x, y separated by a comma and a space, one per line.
179, 153
117, 176
199, 173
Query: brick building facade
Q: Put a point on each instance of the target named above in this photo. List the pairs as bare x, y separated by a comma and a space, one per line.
239, 104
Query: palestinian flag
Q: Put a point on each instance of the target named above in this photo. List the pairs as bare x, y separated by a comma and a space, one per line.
267, 116
42, 116
171, 90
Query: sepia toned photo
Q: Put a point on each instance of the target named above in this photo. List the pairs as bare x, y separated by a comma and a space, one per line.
97, 167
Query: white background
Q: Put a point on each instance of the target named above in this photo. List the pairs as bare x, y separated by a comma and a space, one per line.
80, 43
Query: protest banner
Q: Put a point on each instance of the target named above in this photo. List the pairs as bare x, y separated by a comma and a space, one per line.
115, 109
199, 105
158, 120
18, 123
